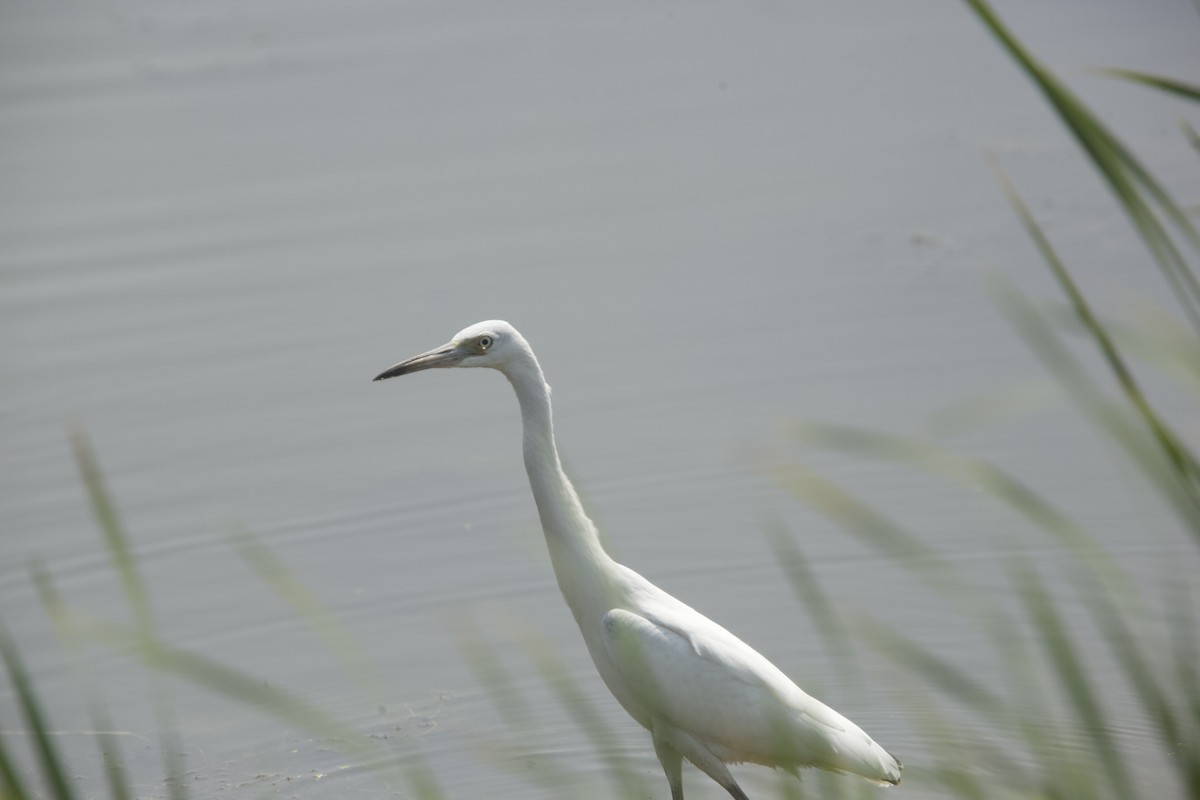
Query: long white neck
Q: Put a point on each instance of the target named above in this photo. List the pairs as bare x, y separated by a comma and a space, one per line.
571, 536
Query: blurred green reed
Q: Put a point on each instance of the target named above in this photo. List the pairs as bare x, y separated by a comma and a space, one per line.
628, 780
141, 641
1049, 700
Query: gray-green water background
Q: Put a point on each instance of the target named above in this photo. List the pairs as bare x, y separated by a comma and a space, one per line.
219, 221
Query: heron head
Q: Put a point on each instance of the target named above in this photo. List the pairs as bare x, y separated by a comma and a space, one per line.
493, 343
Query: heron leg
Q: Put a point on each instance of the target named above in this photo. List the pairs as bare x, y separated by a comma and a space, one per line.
671, 745
672, 764
710, 765
736, 791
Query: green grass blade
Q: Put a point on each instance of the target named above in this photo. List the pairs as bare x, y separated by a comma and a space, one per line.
491, 673
51, 763
1193, 138
1185, 643
335, 637
973, 474
1176, 451
961, 755
64, 624
11, 786
823, 612
1125, 175
235, 685
986, 705
141, 641
105, 512
986, 409
936, 671
1184, 625
1073, 677
506, 697
423, 782
1187, 91
587, 718
138, 598
1115, 421
899, 545
1160, 341
875, 529
114, 765
1131, 651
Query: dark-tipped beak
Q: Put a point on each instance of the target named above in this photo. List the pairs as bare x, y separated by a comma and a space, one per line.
445, 356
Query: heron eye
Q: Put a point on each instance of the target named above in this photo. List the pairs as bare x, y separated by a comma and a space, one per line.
485, 342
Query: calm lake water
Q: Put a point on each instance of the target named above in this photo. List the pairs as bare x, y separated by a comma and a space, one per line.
219, 220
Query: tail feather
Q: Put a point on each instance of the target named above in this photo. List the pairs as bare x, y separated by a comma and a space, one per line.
861, 755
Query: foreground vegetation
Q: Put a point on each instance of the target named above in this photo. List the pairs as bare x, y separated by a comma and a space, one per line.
1050, 694
1051, 699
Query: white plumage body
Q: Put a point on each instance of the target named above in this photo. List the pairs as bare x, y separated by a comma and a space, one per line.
704, 694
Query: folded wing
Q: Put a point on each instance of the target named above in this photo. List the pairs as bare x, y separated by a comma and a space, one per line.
703, 680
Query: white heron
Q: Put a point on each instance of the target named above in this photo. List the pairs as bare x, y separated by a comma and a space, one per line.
704, 694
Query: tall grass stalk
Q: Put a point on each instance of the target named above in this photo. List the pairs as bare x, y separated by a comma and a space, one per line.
497, 679
304, 604
52, 766
1039, 684
1137, 191
138, 597
140, 641
68, 632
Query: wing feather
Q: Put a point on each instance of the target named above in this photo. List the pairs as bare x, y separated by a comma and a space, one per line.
693, 674
703, 680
